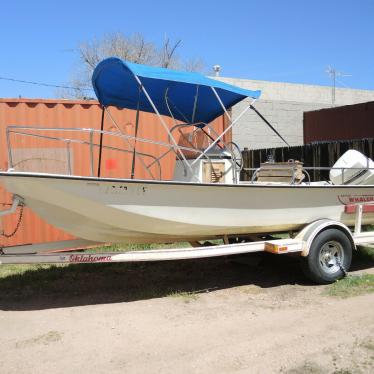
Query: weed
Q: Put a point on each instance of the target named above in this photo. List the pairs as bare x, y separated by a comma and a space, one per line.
368, 344
186, 296
45, 339
352, 285
306, 368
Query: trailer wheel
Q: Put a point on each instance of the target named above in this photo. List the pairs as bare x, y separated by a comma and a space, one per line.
329, 257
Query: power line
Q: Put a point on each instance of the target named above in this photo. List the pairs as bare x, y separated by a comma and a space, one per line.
45, 84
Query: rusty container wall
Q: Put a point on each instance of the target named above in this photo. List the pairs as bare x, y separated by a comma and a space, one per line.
77, 114
340, 123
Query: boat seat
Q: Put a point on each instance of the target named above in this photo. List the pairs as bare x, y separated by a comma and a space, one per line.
286, 172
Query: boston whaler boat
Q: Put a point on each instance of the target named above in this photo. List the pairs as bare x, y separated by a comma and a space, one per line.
205, 199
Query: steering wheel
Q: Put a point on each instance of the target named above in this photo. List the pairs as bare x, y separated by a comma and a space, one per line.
236, 155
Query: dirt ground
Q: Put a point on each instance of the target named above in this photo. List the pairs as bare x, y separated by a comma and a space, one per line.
254, 314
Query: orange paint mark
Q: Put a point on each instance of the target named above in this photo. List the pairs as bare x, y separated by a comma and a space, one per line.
111, 164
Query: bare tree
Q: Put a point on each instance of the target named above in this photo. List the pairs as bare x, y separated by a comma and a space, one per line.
194, 64
168, 50
132, 48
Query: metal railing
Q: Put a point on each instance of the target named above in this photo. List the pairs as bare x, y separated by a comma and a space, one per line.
17, 130
29, 131
306, 170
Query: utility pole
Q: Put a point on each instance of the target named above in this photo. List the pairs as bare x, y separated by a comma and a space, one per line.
333, 73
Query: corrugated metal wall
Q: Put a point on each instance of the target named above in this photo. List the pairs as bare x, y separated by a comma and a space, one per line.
74, 114
340, 123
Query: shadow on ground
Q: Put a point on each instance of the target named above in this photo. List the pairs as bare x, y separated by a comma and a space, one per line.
87, 284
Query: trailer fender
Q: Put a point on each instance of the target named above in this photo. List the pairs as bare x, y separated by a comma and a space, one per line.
309, 232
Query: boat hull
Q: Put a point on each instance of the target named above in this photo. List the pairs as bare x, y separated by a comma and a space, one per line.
114, 210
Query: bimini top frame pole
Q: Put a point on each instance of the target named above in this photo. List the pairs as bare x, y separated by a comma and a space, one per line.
225, 131
163, 122
132, 148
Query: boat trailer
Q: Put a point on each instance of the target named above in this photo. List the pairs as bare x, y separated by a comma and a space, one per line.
72, 251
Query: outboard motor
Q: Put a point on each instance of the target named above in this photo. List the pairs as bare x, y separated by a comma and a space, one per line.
353, 168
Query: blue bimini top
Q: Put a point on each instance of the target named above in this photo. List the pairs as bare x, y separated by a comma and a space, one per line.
186, 96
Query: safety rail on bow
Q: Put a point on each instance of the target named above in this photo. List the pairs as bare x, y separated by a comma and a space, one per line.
40, 133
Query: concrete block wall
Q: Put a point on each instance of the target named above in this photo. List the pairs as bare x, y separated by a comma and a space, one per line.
283, 105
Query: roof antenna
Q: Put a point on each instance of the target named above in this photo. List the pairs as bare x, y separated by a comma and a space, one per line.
333, 73
217, 69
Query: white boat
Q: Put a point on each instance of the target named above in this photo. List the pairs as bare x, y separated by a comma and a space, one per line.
205, 200
111, 210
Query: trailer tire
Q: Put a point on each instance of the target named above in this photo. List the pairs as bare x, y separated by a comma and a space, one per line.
329, 257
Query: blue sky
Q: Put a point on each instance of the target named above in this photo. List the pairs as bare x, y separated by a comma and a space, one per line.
289, 41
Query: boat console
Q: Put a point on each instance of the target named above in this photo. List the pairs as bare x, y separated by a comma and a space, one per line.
218, 167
